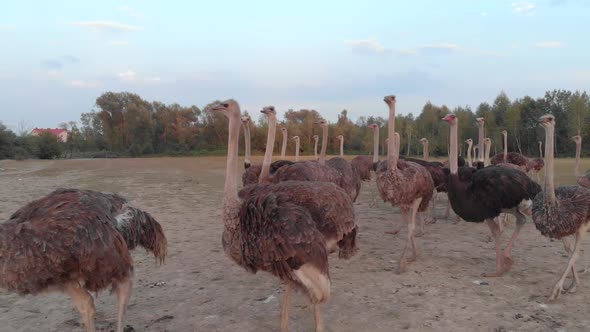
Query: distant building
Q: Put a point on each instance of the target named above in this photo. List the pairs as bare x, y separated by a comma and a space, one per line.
61, 134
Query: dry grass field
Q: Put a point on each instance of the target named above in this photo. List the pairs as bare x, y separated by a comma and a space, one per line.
200, 289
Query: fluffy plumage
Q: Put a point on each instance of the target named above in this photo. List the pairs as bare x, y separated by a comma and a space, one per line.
512, 158
565, 218
252, 172
363, 166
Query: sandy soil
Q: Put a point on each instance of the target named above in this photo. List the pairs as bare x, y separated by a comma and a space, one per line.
200, 289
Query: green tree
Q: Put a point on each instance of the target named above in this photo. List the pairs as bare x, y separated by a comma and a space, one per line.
48, 146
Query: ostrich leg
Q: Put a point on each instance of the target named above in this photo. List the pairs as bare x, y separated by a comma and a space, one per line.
373, 196
411, 221
285, 309
520, 221
123, 291
84, 303
319, 325
568, 245
448, 210
412, 227
496, 235
397, 226
573, 257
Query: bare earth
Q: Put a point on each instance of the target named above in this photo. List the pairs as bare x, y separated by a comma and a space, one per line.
200, 289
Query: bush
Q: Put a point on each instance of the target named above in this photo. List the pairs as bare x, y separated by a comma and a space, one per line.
48, 146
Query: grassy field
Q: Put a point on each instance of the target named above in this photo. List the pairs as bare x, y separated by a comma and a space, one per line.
200, 289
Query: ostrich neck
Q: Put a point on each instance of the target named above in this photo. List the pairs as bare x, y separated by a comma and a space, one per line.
453, 162
284, 147
469, 161
270, 143
540, 149
578, 153
480, 149
425, 152
324, 145
487, 154
549, 167
315, 148
505, 147
392, 155
297, 150
376, 145
341, 147
230, 193
247, 143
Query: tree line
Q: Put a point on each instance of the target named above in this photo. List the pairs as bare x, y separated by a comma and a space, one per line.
124, 124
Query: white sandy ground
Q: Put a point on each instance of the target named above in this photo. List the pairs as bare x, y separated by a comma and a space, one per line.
200, 289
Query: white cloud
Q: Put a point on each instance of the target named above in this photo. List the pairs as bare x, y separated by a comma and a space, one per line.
483, 14
118, 43
549, 44
129, 76
524, 8
83, 84
104, 26
130, 11
369, 45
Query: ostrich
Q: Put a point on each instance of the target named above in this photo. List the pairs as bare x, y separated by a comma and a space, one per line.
562, 211
482, 194
480, 122
316, 139
404, 184
511, 157
364, 164
284, 146
336, 170
537, 164
77, 242
469, 142
252, 172
297, 142
582, 179
268, 228
341, 140
424, 142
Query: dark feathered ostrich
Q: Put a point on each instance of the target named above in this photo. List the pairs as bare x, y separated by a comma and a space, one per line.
583, 179
560, 212
537, 164
76, 242
336, 170
252, 172
404, 184
511, 157
271, 227
479, 195
363, 165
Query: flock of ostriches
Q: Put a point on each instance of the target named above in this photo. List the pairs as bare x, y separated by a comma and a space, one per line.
290, 215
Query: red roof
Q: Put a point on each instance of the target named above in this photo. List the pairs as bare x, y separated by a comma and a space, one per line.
53, 131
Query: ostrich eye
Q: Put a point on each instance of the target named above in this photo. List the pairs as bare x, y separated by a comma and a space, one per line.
226, 105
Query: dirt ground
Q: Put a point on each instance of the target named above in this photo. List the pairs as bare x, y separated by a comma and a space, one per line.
200, 289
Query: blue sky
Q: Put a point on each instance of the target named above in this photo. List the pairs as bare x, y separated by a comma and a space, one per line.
59, 56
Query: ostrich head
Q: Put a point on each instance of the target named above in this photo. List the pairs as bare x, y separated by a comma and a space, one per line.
423, 140
316, 137
389, 99
469, 141
373, 126
487, 141
322, 123
284, 130
340, 137
504, 132
245, 120
480, 122
547, 121
577, 138
295, 138
230, 108
451, 119
269, 111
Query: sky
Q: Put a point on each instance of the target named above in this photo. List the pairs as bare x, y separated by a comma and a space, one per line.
59, 56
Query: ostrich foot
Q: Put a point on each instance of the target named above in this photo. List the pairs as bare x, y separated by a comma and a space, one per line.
572, 288
508, 262
431, 221
557, 290
413, 257
494, 274
403, 264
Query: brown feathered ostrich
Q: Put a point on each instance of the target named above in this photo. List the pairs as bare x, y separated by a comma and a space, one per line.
406, 185
582, 179
252, 172
336, 170
268, 228
562, 211
297, 146
363, 165
77, 242
479, 195
511, 157
316, 139
469, 142
537, 164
